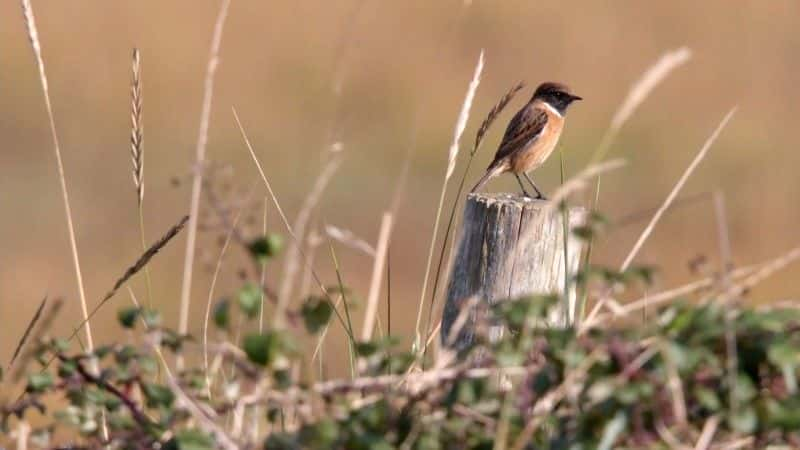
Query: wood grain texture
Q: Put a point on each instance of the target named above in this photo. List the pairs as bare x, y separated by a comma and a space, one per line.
510, 246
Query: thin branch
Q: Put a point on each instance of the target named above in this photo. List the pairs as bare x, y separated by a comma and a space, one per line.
131, 405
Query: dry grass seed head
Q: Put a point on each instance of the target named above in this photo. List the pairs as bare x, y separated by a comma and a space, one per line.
494, 112
137, 155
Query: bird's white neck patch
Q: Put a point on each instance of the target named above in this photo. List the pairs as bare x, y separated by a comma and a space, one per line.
552, 109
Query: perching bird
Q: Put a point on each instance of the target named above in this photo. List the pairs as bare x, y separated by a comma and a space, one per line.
531, 135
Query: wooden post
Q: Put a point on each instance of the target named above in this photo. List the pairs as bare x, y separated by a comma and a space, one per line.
510, 246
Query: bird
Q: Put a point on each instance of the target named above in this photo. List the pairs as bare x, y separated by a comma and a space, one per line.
531, 135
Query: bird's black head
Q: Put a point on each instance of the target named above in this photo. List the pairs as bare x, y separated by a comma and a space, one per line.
556, 95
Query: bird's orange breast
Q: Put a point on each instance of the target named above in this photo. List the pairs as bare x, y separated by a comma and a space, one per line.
537, 152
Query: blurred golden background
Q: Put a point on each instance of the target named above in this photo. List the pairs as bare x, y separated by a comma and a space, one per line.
380, 77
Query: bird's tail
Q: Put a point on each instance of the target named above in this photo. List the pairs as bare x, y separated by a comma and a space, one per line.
490, 172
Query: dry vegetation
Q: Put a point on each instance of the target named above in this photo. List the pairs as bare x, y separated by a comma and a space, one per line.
709, 373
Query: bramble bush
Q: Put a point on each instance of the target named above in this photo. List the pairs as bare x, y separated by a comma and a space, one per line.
709, 372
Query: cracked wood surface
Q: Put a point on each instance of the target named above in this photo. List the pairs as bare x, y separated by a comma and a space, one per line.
509, 247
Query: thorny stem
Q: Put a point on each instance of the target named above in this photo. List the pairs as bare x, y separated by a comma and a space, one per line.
137, 414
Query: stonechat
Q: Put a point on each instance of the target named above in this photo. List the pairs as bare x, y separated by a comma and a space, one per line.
531, 135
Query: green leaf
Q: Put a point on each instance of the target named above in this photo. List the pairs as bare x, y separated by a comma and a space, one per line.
397, 363
265, 247
222, 314
148, 363
583, 232
250, 300
39, 382
121, 422
67, 368
632, 393
95, 396
173, 340
266, 349
507, 354
316, 313
598, 218
61, 345
708, 398
127, 316
370, 348
784, 353
152, 318
367, 348
602, 389
744, 391
157, 395
784, 414
645, 274
612, 431
69, 416
320, 435
281, 441
190, 440
102, 351
744, 421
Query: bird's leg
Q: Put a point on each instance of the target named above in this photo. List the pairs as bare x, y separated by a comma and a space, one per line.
524, 192
538, 192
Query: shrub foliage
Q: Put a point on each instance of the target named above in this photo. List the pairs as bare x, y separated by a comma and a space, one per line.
691, 372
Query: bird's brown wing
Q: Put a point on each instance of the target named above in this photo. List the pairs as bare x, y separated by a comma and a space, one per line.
522, 131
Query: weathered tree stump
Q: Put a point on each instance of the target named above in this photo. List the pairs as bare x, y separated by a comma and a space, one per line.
510, 246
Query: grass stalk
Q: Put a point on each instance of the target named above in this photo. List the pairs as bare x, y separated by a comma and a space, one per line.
675, 190
137, 155
33, 37
140, 263
281, 308
26, 334
377, 273
197, 176
349, 327
638, 93
453, 153
448, 236
295, 251
214, 277
568, 311
262, 280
